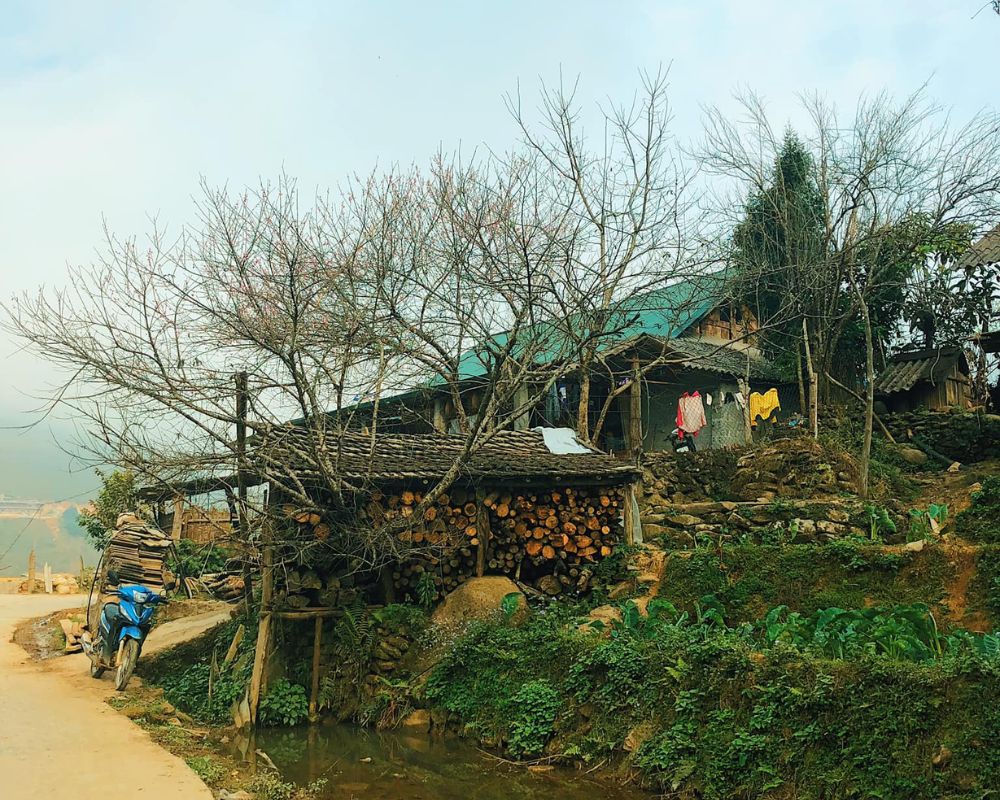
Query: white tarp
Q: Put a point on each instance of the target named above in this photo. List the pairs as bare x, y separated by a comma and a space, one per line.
562, 441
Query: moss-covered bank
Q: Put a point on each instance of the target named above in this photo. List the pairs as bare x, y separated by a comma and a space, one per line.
706, 714
751, 579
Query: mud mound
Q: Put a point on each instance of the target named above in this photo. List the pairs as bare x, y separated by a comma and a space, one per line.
799, 467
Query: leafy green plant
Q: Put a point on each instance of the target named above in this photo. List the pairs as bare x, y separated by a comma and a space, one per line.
426, 590
268, 786
509, 605
879, 521
193, 560
533, 711
284, 704
981, 520
116, 496
206, 768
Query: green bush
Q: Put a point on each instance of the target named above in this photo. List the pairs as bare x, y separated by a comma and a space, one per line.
533, 712
193, 560
981, 520
728, 715
284, 704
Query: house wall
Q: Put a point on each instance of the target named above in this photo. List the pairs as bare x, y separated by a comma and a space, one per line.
951, 391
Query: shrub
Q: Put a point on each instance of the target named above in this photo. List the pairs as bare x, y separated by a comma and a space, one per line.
981, 520
284, 704
533, 711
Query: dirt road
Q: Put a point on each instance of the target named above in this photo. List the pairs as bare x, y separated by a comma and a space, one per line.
57, 736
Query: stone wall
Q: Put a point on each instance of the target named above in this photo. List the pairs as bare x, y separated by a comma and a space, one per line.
966, 437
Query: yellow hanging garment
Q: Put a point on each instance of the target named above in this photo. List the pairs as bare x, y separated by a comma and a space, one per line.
763, 405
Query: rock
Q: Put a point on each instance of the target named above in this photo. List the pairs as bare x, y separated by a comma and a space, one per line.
638, 736
622, 589
417, 720
942, 758
684, 520
838, 515
603, 614
240, 795
366, 760
955, 466
550, 585
825, 526
651, 531
976, 487
914, 547
911, 455
478, 599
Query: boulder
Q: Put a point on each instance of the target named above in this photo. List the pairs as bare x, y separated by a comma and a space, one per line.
550, 585
419, 720
477, 599
911, 455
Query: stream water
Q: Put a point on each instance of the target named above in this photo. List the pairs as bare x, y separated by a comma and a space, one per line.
359, 763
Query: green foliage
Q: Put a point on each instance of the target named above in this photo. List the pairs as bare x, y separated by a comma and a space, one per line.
533, 712
879, 521
509, 604
207, 768
192, 559
116, 496
426, 590
614, 568
748, 580
284, 704
268, 786
185, 673
731, 715
981, 520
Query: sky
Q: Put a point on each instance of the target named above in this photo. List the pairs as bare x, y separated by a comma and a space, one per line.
115, 111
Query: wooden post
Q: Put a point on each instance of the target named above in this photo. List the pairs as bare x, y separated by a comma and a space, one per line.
521, 398
177, 527
81, 581
314, 694
483, 529
257, 686
439, 422
242, 401
630, 517
635, 410
259, 660
31, 571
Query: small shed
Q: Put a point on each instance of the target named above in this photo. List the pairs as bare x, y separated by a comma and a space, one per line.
935, 378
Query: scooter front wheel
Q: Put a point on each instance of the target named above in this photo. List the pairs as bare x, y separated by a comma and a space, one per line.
126, 663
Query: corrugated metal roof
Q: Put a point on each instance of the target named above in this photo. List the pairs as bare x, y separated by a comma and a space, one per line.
906, 370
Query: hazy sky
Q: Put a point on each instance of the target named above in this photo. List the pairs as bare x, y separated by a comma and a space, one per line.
115, 110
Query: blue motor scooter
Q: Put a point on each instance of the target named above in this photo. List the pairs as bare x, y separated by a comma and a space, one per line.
121, 630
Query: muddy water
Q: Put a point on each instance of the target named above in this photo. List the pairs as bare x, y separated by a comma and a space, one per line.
359, 763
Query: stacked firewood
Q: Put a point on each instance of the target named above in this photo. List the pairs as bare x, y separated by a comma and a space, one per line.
573, 525
226, 586
303, 587
309, 522
74, 632
137, 552
449, 533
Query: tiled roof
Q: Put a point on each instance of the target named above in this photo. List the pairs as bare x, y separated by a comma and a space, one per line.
906, 370
710, 356
508, 455
984, 251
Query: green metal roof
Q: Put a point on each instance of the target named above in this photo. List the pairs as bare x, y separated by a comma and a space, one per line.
665, 313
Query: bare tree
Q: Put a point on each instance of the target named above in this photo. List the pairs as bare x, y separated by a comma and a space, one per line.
892, 178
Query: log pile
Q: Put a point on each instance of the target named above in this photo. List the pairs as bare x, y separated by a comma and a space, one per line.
302, 587
137, 552
73, 632
572, 525
226, 586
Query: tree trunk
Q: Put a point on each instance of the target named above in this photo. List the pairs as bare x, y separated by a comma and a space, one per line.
801, 378
583, 407
866, 447
813, 384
